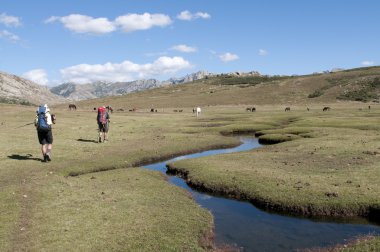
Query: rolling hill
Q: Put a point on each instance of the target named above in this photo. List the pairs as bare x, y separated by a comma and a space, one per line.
361, 84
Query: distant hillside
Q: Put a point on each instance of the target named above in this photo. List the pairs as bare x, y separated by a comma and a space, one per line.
360, 84
77, 92
14, 89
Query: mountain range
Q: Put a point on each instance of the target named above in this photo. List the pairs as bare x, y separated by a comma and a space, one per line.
100, 89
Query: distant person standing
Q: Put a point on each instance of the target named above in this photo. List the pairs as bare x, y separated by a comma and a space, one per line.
103, 120
43, 123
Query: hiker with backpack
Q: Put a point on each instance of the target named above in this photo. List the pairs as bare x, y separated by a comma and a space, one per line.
43, 123
103, 120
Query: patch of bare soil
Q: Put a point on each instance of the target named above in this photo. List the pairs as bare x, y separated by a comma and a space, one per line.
20, 235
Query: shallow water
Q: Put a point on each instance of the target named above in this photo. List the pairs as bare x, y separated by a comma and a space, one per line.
251, 229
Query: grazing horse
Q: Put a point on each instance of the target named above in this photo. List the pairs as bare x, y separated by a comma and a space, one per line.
287, 109
326, 108
72, 107
109, 109
198, 111
152, 110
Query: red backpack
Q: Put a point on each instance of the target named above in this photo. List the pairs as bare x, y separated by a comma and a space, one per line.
102, 115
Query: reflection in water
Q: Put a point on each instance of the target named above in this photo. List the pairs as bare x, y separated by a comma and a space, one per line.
251, 229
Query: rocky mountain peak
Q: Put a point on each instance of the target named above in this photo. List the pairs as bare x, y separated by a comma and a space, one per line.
18, 89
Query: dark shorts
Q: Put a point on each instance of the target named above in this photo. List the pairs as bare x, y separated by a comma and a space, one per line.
45, 137
103, 127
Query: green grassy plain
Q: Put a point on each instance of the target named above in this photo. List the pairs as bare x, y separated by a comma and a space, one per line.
94, 197
68, 205
330, 168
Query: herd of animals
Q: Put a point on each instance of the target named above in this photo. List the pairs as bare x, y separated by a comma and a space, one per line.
253, 109
196, 110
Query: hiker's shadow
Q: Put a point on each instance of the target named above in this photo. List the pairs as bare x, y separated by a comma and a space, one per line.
87, 140
24, 157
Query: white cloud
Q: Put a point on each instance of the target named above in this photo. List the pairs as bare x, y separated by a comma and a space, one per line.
124, 71
37, 75
128, 23
263, 52
184, 48
9, 20
227, 57
84, 24
133, 22
9, 36
368, 63
188, 16
52, 19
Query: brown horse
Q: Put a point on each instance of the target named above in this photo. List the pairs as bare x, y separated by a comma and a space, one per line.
326, 108
72, 107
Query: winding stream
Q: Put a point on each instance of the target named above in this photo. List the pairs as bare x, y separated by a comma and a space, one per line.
251, 229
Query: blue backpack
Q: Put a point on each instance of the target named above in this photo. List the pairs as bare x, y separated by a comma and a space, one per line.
42, 124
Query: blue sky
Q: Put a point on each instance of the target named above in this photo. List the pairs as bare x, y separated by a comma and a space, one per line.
51, 42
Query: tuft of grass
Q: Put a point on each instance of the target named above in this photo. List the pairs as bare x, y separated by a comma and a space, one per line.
277, 138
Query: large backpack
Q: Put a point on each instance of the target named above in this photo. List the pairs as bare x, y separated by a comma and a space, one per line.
102, 115
42, 124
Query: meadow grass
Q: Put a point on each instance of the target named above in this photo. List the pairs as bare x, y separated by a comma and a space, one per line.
319, 169
69, 205
91, 197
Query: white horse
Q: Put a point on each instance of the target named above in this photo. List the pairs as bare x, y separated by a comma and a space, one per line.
198, 111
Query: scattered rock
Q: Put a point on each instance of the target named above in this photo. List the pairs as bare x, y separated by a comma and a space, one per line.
331, 194
374, 153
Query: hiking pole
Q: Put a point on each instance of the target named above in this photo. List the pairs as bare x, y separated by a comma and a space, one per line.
25, 125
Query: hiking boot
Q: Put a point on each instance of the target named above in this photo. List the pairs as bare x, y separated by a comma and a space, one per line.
45, 158
100, 140
48, 159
